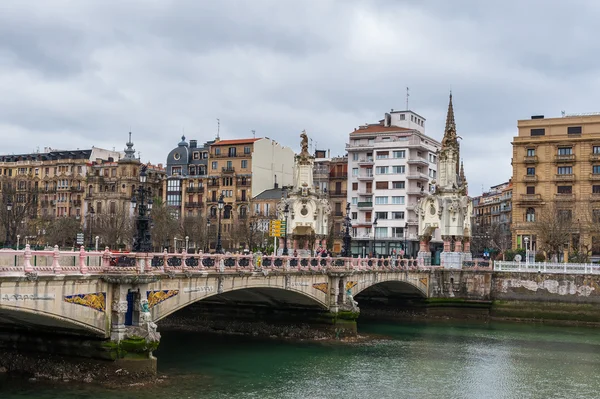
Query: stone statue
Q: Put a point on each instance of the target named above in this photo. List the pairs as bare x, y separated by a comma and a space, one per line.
304, 144
350, 300
146, 328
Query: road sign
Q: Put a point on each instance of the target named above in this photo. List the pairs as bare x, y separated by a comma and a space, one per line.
277, 228
79, 238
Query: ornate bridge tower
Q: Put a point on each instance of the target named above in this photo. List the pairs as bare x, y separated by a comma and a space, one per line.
447, 207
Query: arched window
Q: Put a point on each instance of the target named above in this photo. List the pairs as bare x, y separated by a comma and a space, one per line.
213, 212
530, 215
227, 212
243, 212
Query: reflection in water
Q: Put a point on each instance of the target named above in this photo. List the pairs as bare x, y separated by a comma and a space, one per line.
450, 360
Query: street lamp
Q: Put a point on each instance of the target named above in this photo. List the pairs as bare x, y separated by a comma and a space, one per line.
527, 251
141, 201
220, 205
347, 251
207, 235
18, 240
405, 234
187, 240
8, 212
375, 237
97, 238
92, 212
286, 213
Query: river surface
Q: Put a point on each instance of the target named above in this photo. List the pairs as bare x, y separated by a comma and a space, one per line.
409, 360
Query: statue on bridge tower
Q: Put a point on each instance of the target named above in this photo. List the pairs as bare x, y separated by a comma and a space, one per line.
447, 207
309, 209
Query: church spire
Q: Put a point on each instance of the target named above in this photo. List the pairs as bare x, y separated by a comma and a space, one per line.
462, 173
450, 138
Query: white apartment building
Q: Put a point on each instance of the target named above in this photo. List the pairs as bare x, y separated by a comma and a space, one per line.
390, 165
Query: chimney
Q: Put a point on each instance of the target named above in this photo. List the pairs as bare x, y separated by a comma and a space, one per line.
193, 143
328, 153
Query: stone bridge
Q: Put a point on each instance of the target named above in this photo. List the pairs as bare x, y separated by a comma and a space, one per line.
118, 297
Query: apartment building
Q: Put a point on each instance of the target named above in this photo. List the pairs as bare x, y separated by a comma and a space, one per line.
556, 163
239, 169
492, 218
390, 165
187, 171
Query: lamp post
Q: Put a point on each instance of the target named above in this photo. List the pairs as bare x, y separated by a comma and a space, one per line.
207, 235
347, 250
97, 238
8, 212
527, 251
141, 201
92, 212
220, 205
405, 235
375, 237
187, 240
286, 213
18, 240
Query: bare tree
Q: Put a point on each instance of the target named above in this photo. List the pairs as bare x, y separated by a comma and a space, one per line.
553, 226
500, 237
164, 224
21, 196
195, 228
114, 229
62, 231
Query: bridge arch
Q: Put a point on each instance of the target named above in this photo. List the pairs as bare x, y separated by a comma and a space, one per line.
399, 283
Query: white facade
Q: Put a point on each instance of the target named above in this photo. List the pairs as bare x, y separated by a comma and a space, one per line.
389, 169
271, 163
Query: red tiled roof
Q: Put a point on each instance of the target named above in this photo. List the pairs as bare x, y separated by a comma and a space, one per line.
236, 141
377, 128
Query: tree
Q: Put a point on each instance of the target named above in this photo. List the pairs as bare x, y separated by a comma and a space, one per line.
164, 224
194, 227
62, 231
114, 229
553, 227
23, 197
500, 238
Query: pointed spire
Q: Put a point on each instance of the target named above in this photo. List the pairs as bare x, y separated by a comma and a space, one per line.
462, 173
450, 124
129, 151
450, 138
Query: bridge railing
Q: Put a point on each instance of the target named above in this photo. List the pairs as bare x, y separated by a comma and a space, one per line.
477, 264
83, 262
547, 267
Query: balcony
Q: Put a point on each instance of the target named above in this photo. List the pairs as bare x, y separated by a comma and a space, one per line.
242, 198
338, 213
216, 183
416, 191
76, 189
195, 189
564, 158
417, 143
228, 169
338, 175
417, 176
531, 198
77, 203
365, 177
413, 222
530, 159
365, 161
411, 207
530, 178
363, 146
193, 204
365, 205
565, 177
594, 176
418, 162
342, 193
564, 197
363, 192
595, 157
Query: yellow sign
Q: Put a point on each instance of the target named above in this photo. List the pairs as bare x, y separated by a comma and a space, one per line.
277, 228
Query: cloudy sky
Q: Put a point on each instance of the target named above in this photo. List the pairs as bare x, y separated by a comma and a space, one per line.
79, 73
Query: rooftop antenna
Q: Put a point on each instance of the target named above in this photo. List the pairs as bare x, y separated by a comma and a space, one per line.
254, 134
407, 95
139, 155
218, 127
563, 113
311, 145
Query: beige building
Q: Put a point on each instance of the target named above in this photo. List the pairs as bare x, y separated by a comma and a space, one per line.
556, 162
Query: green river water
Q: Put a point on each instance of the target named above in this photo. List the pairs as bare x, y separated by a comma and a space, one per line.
408, 360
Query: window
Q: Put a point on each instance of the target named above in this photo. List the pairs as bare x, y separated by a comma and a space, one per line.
176, 171
371, 141
402, 117
596, 169
217, 151
432, 158
565, 150
398, 169
538, 132
381, 200
398, 184
399, 200
596, 189
596, 150
354, 186
381, 170
432, 173
247, 150
244, 163
400, 154
355, 156
196, 155
574, 130
381, 232
397, 232
381, 185
530, 171
214, 165
381, 215
565, 170
530, 215
354, 215
531, 152
354, 200
530, 190
565, 215
354, 171
564, 190
383, 154
397, 215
